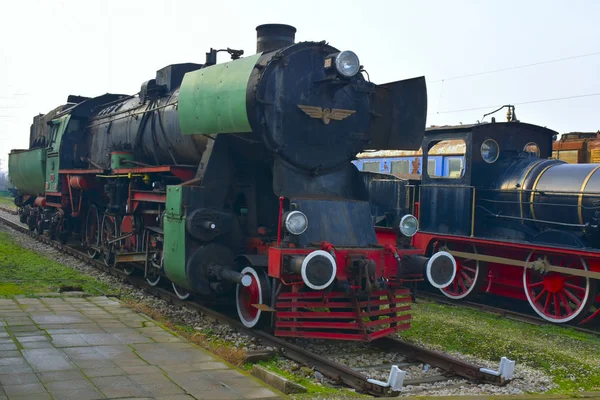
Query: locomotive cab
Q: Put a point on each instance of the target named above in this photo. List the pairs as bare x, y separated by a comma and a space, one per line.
457, 203
519, 223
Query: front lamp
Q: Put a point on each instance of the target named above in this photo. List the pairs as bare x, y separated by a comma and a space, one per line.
409, 225
296, 222
347, 63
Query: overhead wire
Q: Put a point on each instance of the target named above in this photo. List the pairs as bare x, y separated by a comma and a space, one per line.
519, 104
517, 67
508, 69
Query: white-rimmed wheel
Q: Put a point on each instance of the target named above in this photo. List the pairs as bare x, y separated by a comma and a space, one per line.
470, 274
153, 277
247, 298
153, 273
92, 231
107, 233
557, 297
182, 293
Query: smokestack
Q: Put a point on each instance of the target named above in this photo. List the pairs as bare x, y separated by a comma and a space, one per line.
271, 37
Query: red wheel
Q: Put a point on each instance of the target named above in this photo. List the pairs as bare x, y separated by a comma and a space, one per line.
557, 297
92, 235
470, 275
247, 296
130, 244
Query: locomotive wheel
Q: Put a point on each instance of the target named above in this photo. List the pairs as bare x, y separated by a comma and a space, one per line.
257, 293
40, 226
31, 222
153, 277
181, 292
92, 236
59, 230
108, 232
470, 274
129, 270
131, 244
63, 230
557, 297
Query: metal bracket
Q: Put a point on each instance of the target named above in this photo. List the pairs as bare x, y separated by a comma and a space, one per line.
505, 371
395, 380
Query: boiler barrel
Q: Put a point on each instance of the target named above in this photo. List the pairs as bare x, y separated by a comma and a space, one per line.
565, 193
149, 129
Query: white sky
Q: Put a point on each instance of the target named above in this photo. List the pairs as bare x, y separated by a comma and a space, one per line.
50, 49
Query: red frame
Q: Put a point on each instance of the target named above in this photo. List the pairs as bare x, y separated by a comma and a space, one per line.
183, 173
507, 280
352, 315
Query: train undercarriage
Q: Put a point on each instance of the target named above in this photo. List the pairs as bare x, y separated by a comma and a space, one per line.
560, 285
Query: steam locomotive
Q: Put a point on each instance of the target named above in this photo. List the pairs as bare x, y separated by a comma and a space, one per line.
234, 182
519, 224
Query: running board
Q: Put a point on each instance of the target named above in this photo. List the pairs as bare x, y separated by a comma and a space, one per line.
130, 257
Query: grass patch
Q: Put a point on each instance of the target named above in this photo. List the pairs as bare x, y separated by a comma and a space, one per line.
7, 202
312, 387
205, 339
25, 272
571, 358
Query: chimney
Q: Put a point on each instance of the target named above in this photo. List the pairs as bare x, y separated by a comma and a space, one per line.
271, 37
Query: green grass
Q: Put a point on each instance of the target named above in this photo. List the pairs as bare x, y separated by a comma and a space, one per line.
25, 272
311, 386
571, 358
7, 201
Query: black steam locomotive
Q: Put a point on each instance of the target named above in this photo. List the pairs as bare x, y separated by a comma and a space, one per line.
519, 224
234, 180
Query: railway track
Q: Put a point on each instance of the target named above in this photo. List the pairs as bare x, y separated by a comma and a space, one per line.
451, 367
8, 210
503, 312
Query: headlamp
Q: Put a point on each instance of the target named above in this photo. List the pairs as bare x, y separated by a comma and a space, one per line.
296, 222
409, 225
347, 63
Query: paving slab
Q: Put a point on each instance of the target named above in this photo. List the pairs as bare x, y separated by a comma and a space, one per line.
94, 348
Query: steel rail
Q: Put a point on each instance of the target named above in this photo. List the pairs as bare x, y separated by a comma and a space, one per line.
8, 210
335, 371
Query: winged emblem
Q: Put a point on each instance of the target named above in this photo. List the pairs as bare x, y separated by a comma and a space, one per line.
326, 115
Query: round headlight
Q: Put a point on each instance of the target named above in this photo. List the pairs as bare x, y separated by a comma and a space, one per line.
409, 225
296, 222
347, 63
